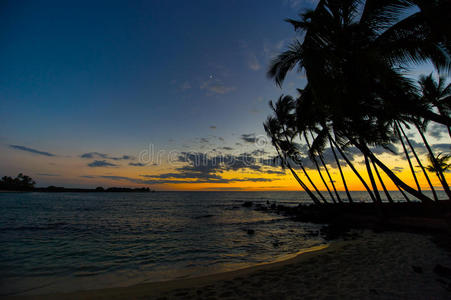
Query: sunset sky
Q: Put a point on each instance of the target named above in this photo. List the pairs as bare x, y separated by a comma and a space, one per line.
118, 93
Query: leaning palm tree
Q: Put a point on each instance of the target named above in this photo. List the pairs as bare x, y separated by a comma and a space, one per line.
439, 165
343, 179
420, 164
440, 162
407, 157
355, 49
421, 127
283, 111
320, 155
437, 93
277, 129
318, 168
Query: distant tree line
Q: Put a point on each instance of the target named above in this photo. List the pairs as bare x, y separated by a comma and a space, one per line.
26, 183
20, 183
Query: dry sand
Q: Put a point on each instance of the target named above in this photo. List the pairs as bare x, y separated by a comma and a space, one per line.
389, 265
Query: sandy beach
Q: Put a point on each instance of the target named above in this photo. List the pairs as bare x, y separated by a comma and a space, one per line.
389, 265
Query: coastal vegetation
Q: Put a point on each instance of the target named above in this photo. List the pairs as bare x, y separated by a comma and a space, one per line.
354, 55
25, 183
20, 183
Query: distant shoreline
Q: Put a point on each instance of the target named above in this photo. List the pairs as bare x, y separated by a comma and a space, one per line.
79, 190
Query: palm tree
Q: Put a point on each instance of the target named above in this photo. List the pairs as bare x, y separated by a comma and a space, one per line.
348, 194
418, 161
407, 157
279, 129
320, 155
312, 117
315, 162
354, 48
387, 194
273, 128
373, 182
432, 158
283, 113
440, 162
437, 93
351, 165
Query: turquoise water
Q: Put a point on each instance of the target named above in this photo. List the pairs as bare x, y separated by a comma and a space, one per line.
72, 241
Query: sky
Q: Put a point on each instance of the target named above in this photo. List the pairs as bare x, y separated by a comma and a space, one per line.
137, 93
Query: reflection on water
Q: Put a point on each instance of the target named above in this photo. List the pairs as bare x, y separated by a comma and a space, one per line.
70, 241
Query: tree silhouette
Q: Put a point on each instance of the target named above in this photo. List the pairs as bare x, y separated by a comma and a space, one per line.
20, 183
352, 53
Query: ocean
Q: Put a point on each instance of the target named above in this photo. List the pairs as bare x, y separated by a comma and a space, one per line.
63, 242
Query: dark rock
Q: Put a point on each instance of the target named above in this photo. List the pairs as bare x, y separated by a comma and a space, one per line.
417, 269
248, 204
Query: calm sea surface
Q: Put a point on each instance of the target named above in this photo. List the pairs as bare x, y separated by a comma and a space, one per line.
72, 241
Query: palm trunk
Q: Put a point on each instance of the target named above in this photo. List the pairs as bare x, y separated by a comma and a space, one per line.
304, 186
312, 183
402, 193
373, 182
408, 157
419, 162
308, 177
392, 175
440, 175
330, 179
341, 171
354, 170
387, 194
328, 174
319, 171
299, 180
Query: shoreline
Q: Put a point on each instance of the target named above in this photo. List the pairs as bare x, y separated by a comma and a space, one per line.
158, 287
369, 265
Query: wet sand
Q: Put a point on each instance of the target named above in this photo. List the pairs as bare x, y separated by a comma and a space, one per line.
390, 265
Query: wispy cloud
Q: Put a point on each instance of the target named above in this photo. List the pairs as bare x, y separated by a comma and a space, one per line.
215, 86
252, 62
397, 169
298, 3
47, 174
271, 48
437, 130
157, 180
137, 164
91, 155
101, 163
31, 150
251, 59
249, 138
185, 86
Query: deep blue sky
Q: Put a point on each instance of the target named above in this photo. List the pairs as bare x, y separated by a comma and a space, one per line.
135, 70
115, 76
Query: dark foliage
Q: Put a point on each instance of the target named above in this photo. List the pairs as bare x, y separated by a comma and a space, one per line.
20, 183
